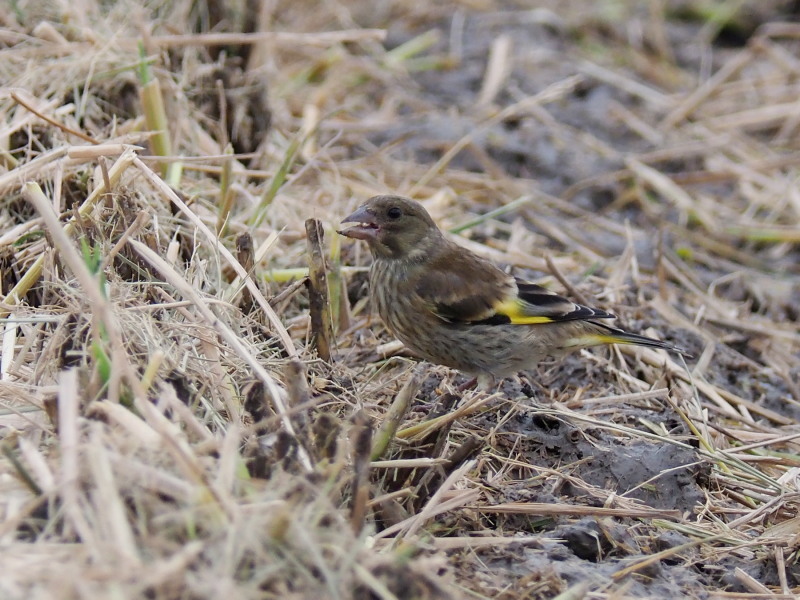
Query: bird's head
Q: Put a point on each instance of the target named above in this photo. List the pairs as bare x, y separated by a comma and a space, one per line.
394, 227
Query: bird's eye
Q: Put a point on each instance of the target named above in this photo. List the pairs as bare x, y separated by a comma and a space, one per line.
394, 213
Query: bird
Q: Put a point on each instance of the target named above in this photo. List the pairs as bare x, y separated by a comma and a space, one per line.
452, 307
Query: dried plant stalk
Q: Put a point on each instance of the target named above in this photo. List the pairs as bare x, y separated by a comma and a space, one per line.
319, 307
245, 254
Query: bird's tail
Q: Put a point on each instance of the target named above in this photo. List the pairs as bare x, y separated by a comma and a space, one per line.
606, 334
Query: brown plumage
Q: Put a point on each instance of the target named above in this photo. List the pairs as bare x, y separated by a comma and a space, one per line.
454, 308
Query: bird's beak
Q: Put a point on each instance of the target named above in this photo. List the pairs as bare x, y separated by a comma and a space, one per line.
365, 228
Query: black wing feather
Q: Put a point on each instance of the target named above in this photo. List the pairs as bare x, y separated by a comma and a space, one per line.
540, 301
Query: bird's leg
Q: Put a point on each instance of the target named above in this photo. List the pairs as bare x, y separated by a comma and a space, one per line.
487, 383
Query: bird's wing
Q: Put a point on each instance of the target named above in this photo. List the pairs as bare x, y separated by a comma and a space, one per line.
534, 304
460, 287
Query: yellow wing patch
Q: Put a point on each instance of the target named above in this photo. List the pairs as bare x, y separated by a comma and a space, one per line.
512, 309
597, 339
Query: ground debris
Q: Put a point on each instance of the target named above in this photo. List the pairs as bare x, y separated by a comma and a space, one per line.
167, 429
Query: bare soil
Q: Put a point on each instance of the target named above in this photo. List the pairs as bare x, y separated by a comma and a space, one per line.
169, 431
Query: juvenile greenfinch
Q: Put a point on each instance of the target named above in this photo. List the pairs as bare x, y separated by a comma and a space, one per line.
454, 308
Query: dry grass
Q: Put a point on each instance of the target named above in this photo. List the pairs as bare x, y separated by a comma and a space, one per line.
167, 430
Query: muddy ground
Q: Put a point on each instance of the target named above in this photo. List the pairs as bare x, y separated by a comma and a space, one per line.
641, 157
